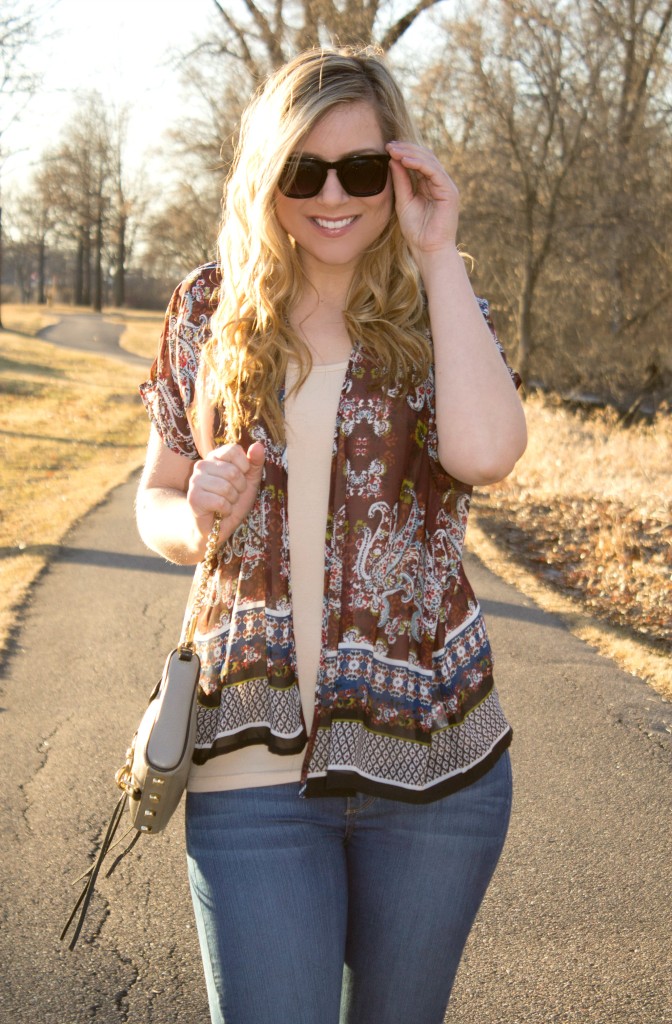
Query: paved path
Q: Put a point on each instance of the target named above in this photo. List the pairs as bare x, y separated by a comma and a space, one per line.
90, 332
577, 924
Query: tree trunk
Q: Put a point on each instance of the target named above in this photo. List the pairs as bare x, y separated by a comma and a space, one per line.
86, 269
41, 263
79, 273
98, 267
524, 318
120, 269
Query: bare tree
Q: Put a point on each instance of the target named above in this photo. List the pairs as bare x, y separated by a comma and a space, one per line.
82, 165
555, 120
613, 293
636, 116
259, 35
509, 109
181, 235
127, 207
18, 83
36, 222
93, 208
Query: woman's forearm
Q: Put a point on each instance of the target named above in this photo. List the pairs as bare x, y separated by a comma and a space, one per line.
168, 525
480, 419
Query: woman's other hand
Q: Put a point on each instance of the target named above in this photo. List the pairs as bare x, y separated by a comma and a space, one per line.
428, 214
177, 497
226, 481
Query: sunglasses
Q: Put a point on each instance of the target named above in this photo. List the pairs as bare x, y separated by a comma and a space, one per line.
304, 176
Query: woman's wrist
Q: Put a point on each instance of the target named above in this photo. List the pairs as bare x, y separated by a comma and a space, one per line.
439, 267
169, 526
202, 525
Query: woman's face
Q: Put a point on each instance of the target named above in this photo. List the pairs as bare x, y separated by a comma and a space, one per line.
333, 228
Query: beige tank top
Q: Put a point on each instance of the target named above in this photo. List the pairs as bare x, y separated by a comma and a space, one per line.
310, 419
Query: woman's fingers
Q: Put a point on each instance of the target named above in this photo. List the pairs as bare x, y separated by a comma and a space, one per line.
226, 481
428, 213
428, 169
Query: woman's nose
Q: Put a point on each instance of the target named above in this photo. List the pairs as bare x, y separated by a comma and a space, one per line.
332, 190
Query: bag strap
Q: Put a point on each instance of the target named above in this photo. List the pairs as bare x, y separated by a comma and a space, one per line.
92, 874
204, 571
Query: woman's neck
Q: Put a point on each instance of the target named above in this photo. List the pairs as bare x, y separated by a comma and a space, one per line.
326, 285
319, 321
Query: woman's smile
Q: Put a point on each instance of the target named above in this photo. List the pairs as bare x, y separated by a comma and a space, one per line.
334, 225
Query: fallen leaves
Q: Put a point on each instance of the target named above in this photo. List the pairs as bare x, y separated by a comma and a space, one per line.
614, 558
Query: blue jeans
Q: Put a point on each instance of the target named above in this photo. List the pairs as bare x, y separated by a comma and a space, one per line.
287, 891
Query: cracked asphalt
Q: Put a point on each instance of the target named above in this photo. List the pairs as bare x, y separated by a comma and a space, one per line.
576, 926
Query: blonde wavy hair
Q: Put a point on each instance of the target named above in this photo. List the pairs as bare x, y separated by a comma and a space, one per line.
262, 276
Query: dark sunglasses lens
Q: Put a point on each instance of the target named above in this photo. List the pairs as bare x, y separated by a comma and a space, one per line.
302, 179
364, 175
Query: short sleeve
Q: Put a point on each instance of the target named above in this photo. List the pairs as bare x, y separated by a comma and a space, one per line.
168, 393
485, 310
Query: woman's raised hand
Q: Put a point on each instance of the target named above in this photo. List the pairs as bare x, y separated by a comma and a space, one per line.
227, 480
427, 216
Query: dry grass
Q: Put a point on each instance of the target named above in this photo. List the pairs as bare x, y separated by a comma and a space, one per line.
142, 330
73, 428
28, 319
587, 517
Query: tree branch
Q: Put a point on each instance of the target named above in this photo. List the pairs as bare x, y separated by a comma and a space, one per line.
396, 31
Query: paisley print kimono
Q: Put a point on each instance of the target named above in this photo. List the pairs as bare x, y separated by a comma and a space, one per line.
405, 704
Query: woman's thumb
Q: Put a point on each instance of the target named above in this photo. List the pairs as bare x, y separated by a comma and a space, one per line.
256, 455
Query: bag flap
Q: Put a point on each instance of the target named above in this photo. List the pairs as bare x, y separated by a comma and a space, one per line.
170, 731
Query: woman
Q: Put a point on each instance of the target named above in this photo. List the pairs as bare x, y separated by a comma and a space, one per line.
334, 390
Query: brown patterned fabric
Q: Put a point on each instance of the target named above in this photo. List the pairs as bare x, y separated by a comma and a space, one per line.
405, 704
